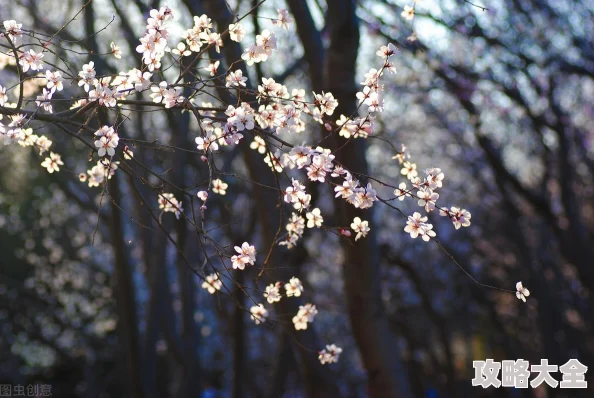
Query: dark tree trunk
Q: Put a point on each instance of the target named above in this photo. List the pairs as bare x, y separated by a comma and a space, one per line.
361, 273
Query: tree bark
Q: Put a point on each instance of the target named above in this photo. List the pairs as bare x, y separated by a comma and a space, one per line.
368, 318
319, 381
125, 299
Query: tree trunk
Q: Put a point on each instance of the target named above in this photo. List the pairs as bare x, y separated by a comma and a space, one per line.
368, 318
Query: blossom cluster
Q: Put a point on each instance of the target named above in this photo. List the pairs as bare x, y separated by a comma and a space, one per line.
153, 44
16, 132
304, 316
426, 196
246, 254
330, 354
107, 141
261, 50
102, 171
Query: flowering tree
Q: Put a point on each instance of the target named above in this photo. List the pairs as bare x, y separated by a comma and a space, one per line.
192, 124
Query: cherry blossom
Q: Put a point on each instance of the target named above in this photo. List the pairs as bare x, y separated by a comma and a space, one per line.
295, 228
278, 113
219, 187
408, 13
202, 195
259, 144
236, 32
141, 80
246, 255
14, 31
87, 76
96, 176
314, 218
172, 97
273, 161
212, 67
235, 79
300, 321
43, 144
434, 178
360, 227
240, 118
294, 287
284, 19
409, 170
44, 100
402, 155
168, 203
3, 96
272, 293
158, 92
417, 226
267, 42
387, 51
401, 192
107, 141
153, 44
182, 50
109, 166
54, 80
459, 217
31, 60
427, 198
258, 313
52, 162
253, 54
304, 316
213, 39
128, 154
212, 283
116, 51
330, 354
521, 292
326, 103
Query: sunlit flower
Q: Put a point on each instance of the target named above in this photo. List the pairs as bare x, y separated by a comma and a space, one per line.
235, 79
212, 283
522, 292
212, 67
259, 313
219, 187
236, 32
314, 218
202, 195
272, 293
294, 287
360, 227
168, 203
408, 13
330, 354
284, 19
116, 50
246, 255
52, 162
